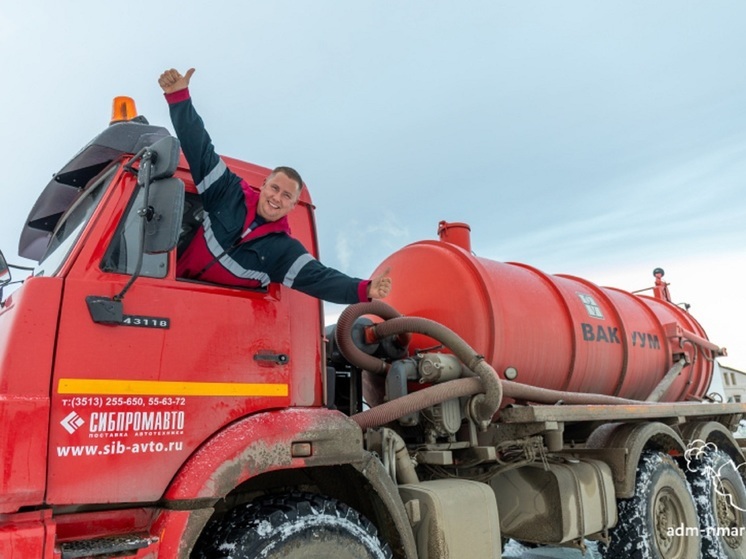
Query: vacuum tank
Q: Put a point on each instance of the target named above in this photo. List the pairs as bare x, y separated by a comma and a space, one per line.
554, 331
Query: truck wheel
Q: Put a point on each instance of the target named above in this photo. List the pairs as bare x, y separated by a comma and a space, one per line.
660, 520
720, 496
293, 526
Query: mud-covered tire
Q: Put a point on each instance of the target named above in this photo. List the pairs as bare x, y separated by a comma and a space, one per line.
720, 497
648, 522
293, 526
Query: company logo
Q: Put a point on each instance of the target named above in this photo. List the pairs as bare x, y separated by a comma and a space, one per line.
593, 308
72, 422
138, 423
697, 461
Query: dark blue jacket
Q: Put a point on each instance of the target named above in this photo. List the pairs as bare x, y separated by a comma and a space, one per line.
225, 250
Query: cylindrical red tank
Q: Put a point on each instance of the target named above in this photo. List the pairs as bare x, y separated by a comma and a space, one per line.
554, 331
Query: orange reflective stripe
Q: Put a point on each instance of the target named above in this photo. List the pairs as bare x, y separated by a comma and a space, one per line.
168, 388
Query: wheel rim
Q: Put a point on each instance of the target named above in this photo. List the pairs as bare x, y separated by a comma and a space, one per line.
729, 517
669, 515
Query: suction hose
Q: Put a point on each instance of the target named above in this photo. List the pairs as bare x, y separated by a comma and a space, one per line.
422, 399
439, 393
343, 334
483, 406
417, 401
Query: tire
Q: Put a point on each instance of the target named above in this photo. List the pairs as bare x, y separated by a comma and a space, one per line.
660, 520
720, 496
293, 526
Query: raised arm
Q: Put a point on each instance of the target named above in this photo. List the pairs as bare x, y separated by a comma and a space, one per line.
217, 186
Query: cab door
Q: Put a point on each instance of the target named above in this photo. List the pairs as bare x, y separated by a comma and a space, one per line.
132, 401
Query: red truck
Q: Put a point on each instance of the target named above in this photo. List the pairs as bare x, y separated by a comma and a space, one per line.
146, 415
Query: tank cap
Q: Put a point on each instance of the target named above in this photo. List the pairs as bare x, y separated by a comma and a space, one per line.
458, 234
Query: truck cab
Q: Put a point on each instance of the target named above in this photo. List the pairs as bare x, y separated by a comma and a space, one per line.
121, 374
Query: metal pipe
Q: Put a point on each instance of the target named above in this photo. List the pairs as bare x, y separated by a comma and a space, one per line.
405, 472
667, 381
428, 397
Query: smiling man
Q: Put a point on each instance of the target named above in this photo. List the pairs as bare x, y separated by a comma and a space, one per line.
245, 236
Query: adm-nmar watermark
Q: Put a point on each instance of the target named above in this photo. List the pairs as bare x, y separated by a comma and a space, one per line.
695, 454
716, 531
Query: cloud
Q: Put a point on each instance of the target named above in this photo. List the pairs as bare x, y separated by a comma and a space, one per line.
690, 204
344, 253
358, 246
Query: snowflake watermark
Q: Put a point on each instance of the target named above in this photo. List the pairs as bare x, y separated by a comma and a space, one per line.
695, 455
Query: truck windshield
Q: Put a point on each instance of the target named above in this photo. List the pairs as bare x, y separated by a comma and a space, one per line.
71, 225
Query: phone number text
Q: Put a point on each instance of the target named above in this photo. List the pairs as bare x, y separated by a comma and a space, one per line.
121, 401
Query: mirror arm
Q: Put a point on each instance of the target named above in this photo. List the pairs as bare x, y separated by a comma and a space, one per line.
25, 268
2, 301
146, 168
128, 166
146, 214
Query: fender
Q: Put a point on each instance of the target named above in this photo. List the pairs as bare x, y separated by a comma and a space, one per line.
713, 432
263, 443
632, 439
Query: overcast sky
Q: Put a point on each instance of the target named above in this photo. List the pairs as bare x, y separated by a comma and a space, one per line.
591, 138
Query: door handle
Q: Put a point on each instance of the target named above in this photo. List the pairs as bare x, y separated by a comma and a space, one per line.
271, 357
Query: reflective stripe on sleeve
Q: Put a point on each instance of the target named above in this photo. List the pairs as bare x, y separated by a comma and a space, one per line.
295, 269
212, 176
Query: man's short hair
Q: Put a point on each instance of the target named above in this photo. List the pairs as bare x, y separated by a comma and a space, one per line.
290, 173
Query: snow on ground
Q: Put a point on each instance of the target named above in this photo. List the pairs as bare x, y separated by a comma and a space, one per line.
515, 550
741, 431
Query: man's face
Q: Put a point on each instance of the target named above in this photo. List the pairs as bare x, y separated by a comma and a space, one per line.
277, 197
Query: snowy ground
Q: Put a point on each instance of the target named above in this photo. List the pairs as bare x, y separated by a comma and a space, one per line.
514, 550
741, 432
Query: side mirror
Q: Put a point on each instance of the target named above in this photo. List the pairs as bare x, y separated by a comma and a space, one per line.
165, 210
4, 271
161, 214
160, 160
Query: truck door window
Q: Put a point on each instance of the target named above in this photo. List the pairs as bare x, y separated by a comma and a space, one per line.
191, 221
121, 256
71, 226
